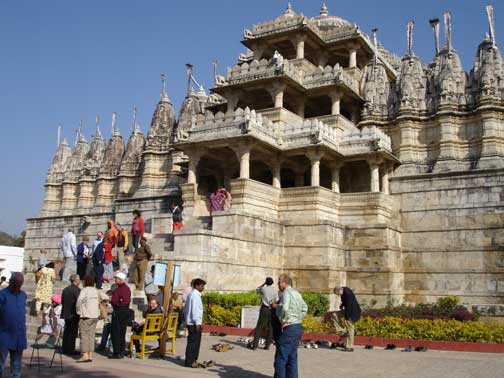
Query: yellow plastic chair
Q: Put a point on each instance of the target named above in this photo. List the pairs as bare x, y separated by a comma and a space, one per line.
171, 331
151, 331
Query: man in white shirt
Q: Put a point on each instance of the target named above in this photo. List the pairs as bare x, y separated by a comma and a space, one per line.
193, 310
69, 248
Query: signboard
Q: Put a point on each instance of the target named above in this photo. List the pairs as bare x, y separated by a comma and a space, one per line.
159, 274
160, 270
249, 316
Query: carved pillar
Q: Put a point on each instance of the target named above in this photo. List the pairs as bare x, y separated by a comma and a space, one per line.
300, 107
335, 176
300, 43
275, 170
387, 169
374, 165
258, 51
352, 57
447, 143
335, 101
315, 167
277, 93
232, 102
490, 138
243, 155
193, 166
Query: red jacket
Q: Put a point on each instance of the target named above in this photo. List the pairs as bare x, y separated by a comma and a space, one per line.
138, 226
108, 252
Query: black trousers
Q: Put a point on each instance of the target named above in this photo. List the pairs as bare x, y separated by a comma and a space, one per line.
120, 318
193, 345
264, 324
82, 268
70, 335
136, 241
99, 270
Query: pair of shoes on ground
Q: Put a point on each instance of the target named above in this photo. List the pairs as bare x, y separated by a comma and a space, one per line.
116, 356
202, 365
222, 347
390, 347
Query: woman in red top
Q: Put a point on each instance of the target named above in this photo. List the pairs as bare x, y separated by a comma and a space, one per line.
137, 228
108, 266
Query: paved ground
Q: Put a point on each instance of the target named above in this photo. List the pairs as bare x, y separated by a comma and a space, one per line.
321, 363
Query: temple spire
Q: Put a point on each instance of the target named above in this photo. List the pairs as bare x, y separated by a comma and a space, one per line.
59, 135
434, 23
491, 23
323, 11
410, 37
448, 31
214, 64
289, 11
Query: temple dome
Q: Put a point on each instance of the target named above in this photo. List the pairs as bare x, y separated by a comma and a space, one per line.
325, 21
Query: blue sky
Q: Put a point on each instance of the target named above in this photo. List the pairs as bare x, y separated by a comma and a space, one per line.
62, 61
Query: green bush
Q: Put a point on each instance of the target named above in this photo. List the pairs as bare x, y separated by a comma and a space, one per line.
318, 304
220, 316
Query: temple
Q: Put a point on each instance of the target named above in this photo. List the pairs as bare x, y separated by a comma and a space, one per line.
347, 164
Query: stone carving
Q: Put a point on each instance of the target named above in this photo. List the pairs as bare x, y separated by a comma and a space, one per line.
95, 155
449, 79
163, 122
113, 155
133, 156
412, 84
59, 163
75, 163
193, 105
487, 74
376, 89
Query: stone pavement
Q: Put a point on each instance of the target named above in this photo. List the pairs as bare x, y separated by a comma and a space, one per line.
321, 363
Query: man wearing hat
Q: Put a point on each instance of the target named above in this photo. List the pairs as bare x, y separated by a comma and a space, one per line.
121, 298
269, 295
13, 324
345, 319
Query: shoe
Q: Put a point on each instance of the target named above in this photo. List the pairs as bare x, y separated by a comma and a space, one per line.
209, 363
266, 348
116, 357
409, 348
197, 365
84, 358
390, 347
421, 349
347, 349
100, 349
369, 347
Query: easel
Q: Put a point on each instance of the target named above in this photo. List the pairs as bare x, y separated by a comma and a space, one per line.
167, 306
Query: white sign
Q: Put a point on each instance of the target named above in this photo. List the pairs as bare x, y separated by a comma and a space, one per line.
249, 316
176, 275
160, 274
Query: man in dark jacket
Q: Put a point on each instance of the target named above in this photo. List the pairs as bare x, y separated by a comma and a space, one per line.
69, 314
345, 319
98, 259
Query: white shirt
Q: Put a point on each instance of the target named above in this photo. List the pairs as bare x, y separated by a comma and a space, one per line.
69, 245
193, 308
96, 242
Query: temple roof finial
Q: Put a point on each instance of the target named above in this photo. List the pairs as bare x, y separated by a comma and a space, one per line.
411, 24
375, 44
323, 11
491, 23
434, 23
289, 11
59, 135
97, 120
136, 128
114, 128
448, 31
164, 96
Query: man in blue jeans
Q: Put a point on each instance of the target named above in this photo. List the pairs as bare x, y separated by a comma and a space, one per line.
13, 325
290, 311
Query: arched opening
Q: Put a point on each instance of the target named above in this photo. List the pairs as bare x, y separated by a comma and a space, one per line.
325, 175
259, 171
318, 106
257, 99
288, 178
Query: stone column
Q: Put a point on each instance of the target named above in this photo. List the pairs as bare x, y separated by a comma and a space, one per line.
385, 178
193, 165
277, 93
243, 155
300, 42
335, 176
374, 165
300, 109
275, 170
335, 101
258, 51
323, 58
232, 102
315, 167
352, 57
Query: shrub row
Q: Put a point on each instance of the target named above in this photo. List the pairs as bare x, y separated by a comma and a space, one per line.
317, 303
444, 308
